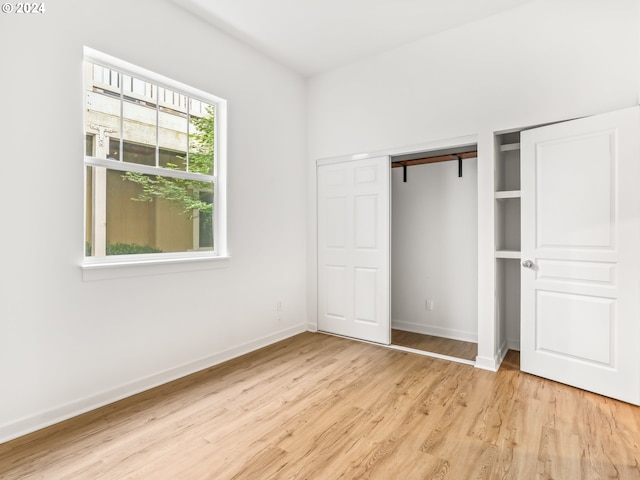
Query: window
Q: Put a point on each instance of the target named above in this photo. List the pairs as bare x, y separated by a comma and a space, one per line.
154, 163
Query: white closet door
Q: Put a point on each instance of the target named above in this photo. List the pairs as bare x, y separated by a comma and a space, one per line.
581, 253
353, 249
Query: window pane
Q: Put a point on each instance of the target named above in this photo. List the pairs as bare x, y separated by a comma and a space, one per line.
114, 149
138, 86
102, 109
201, 141
140, 117
88, 211
172, 159
88, 145
205, 221
172, 129
106, 76
134, 153
146, 213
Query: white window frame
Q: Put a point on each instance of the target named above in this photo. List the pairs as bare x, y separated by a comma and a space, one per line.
114, 266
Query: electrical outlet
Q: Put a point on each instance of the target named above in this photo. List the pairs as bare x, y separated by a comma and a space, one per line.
429, 305
278, 306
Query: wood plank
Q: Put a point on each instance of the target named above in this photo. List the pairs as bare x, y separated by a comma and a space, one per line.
434, 159
317, 407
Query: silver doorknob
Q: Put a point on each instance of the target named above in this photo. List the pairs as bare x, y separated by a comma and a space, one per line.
527, 264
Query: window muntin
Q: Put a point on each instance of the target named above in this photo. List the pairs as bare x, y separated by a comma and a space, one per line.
151, 166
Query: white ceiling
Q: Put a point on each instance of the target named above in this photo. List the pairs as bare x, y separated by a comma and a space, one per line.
312, 36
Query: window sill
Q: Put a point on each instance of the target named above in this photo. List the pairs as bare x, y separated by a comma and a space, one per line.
136, 268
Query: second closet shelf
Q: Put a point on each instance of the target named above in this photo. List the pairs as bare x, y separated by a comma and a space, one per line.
502, 194
508, 254
508, 147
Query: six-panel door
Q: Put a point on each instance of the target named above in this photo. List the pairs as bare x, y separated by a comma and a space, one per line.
353, 249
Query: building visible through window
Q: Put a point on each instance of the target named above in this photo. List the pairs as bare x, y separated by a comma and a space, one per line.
150, 160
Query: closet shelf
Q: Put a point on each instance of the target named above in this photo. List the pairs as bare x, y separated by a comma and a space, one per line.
508, 147
435, 159
507, 194
508, 254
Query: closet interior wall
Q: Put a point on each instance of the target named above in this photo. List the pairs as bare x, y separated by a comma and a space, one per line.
434, 254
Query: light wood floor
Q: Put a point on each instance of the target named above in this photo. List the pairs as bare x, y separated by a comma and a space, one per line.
321, 407
428, 343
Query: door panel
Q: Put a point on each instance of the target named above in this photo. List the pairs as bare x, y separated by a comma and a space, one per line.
353, 249
336, 222
573, 272
575, 326
366, 281
336, 287
581, 232
565, 170
366, 219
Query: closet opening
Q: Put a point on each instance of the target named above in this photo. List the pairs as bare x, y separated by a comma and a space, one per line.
434, 252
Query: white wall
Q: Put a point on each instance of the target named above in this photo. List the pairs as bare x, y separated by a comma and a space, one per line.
543, 61
67, 345
434, 252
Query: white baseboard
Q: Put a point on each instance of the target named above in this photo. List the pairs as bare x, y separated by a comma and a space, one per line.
504, 348
493, 364
436, 331
23, 426
487, 363
312, 327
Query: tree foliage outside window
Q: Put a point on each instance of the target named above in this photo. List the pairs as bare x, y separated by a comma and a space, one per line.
185, 193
